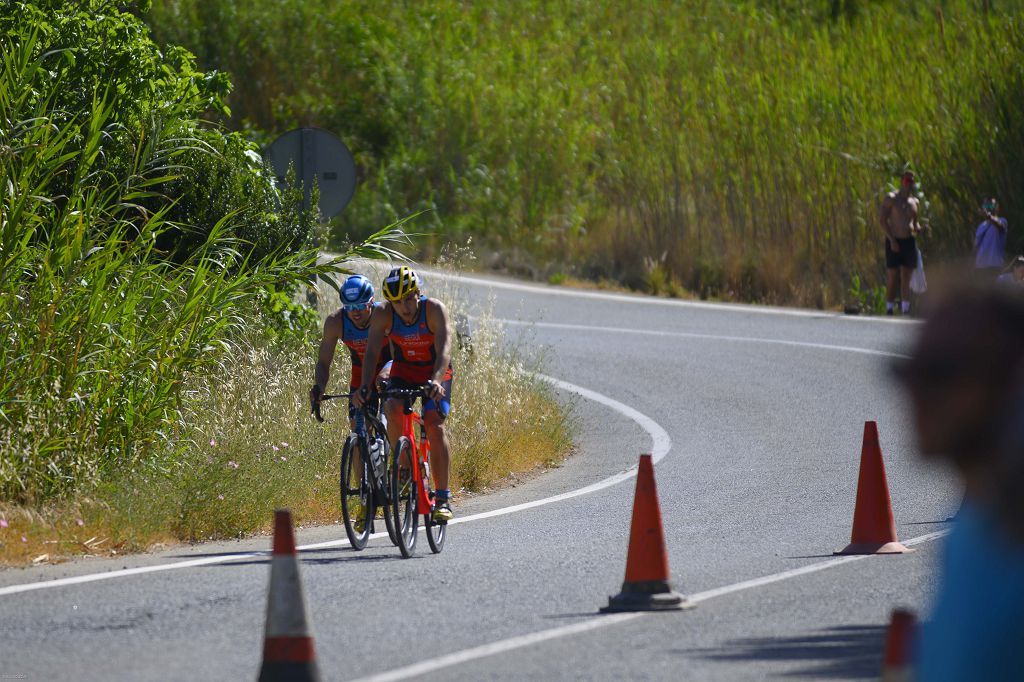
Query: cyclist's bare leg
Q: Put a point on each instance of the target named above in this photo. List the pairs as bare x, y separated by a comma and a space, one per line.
437, 436
357, 452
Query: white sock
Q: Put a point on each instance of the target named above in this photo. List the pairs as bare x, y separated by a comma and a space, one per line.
905, 307
888, 306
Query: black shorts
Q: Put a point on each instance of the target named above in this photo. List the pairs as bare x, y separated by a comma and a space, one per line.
907, 256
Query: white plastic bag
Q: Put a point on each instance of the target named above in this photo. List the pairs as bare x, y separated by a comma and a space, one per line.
918, 282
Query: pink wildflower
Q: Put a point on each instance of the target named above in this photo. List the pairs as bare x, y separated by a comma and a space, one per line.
233, 464
275, 448
283, 444
24, 539
3, 523
283, 458
220, 497
80, 522
213, 443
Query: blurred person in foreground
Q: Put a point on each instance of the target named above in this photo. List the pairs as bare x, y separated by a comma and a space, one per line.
899, 220
965, 381
1014, 273
990, 241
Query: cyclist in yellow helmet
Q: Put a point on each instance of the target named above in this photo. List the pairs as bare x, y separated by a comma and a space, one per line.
421, 341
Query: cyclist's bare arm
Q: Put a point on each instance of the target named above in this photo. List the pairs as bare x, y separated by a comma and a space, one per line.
437, 320
380, 320
333, 328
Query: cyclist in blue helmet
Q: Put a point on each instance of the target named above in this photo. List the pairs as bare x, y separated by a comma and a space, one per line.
350, 324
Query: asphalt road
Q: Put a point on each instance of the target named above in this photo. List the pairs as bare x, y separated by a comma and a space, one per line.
756, 416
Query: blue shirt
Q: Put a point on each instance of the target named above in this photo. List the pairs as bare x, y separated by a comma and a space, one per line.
990, 243
976, 631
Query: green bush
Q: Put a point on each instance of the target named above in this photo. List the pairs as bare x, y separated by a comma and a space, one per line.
98, 51
102, 333
221, 174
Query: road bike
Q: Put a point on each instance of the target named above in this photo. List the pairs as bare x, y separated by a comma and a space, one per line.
409, 468
364, 481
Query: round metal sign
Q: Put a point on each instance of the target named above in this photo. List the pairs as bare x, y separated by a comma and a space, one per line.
317, 155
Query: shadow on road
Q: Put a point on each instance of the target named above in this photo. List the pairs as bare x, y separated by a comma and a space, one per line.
306, 556
850, 651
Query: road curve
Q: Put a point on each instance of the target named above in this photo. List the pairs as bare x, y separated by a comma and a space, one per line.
758, 414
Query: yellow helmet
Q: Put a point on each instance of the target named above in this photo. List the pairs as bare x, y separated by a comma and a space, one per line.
400, 282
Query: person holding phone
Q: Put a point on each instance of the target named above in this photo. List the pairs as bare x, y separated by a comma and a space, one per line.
990, 241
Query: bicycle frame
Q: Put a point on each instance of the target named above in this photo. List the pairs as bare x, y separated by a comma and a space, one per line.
421, 455
420, 449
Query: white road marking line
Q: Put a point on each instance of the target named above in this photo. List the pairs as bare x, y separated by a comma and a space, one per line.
123, 573
424, 667
600, 621
660, 445
653, 300
694, 335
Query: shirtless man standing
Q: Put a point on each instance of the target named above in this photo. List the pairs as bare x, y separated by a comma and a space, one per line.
900, 225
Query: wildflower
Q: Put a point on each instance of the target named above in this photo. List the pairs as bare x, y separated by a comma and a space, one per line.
283, 444
283, 458
80, 522
318, 477
24, 539
213, 443
233, 464
3, 523
220, 497
275, 448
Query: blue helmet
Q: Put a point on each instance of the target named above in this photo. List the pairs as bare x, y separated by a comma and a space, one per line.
356, 292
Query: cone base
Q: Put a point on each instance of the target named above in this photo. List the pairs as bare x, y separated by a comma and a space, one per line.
874, 548
647, 596
285, 671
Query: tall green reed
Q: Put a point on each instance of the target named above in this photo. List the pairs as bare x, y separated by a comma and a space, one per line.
745, 146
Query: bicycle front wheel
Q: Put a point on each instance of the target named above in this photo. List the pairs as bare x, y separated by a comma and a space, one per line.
356, 493
436, 533
403, 497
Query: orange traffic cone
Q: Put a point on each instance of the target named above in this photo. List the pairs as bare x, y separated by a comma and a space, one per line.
874, 528
287, 645
897, 665
646, 587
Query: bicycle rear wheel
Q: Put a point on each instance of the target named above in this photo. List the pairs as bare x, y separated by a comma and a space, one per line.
385, 497
356, 493
403, 496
